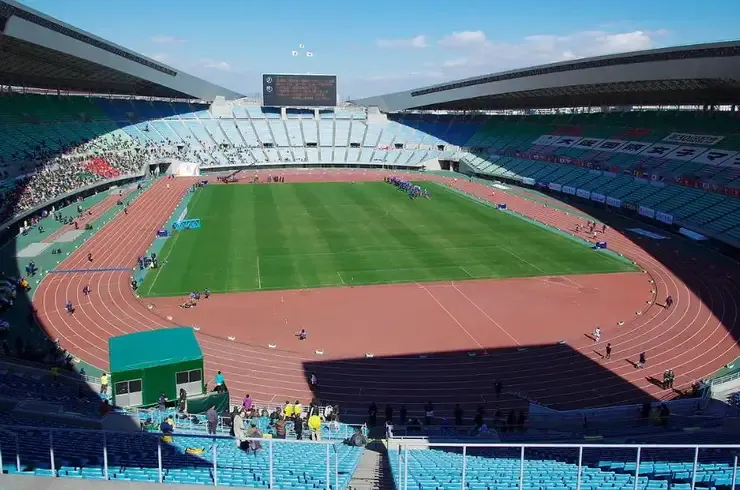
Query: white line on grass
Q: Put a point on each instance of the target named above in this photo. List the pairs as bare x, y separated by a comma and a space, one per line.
340, 277
259, 276
465, 271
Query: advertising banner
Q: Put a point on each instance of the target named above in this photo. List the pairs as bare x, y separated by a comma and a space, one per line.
595, 196
554, 187
647, 212
528, 181
664, 217
693, 139
613, 202
583, 193
569, 190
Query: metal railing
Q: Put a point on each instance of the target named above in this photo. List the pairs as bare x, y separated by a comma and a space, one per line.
331, 463
185, 423
405, 447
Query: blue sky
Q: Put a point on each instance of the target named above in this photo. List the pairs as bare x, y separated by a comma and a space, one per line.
380, 46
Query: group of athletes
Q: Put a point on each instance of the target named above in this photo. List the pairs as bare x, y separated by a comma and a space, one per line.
412, 189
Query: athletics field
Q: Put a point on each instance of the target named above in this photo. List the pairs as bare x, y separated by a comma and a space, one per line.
289, 236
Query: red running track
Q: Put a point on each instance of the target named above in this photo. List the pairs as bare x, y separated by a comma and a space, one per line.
694, 337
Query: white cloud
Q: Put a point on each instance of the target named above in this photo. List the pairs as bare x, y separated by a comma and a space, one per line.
416, 42
475, 53
167, 40
215, 64
464, 39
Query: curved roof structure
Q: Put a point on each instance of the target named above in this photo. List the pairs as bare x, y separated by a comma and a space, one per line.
698, 74
42, 52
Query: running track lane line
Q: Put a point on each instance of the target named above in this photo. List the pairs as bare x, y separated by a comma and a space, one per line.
450, 315
497, 324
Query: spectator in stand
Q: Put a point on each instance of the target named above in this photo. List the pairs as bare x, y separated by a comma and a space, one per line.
388, 414
357, 439
254, 432
220, 385
328, 413
498, 387
104, 383
212, 419
280, 428
297, 409
372, 415
458, 414
298, 427
429, 413
314, 425
167, 428
240, 432
247, 402
162, 402
288, 410
403, 415
182, 402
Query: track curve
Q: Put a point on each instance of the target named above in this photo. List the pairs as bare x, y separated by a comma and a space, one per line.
695, 337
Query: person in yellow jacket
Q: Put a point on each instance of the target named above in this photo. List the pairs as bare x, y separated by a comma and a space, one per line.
297, 409
288, 410
314, 424
104, 384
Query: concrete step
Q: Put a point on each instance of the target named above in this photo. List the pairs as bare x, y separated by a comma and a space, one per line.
373, 471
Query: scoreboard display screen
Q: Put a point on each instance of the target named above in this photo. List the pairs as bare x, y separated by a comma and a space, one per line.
299, 90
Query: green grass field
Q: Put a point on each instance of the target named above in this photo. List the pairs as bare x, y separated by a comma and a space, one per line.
291, 236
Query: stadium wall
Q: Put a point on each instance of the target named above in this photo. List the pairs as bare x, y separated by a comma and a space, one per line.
156, 380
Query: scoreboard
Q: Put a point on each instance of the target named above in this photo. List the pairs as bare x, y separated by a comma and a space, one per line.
299, 90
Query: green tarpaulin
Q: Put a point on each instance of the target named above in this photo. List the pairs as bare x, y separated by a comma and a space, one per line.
144, 365
153, 348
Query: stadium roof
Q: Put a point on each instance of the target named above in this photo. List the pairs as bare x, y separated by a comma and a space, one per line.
698, 74
39, 51
152, 348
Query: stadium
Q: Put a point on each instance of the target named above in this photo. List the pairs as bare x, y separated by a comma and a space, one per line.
527, 279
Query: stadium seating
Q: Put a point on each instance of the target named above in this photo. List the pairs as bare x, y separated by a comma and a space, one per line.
557, 469
186, 460
509, 148
68, 395
37, 128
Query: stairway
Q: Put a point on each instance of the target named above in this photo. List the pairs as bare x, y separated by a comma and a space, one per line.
373, 472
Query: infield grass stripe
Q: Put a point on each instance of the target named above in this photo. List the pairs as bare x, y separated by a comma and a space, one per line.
313, 235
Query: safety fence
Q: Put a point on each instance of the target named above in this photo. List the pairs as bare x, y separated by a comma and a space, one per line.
57, 452
419, 463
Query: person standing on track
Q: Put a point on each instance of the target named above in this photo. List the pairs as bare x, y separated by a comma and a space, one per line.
608, 354
668, 302
597, 335
643, 360
89, 256
86, 290
69, 307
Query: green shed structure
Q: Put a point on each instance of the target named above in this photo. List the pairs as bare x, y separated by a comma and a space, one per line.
145, 364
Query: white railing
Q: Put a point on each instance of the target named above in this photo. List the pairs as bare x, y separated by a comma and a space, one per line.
331, 463
406, 446
335, 431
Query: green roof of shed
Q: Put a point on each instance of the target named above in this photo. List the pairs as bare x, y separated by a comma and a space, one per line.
153, 348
